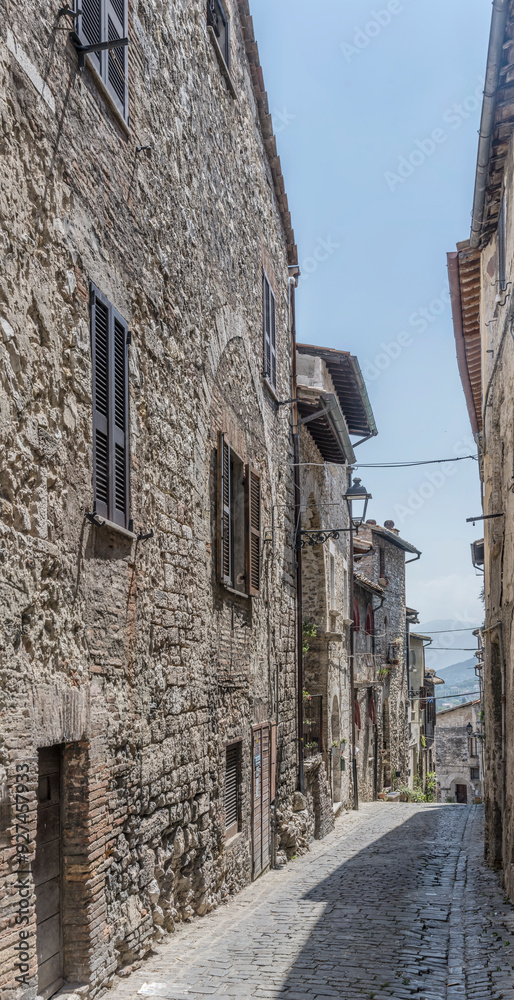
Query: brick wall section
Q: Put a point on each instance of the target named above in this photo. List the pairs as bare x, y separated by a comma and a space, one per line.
132, 655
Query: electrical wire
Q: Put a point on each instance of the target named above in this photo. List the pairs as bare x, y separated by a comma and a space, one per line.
407, 465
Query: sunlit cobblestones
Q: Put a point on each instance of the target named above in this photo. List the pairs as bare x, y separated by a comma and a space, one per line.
396, 902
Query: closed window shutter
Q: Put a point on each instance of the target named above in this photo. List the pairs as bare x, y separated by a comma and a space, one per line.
90, 26
119, 403
100, 365
273, 341
224, 511
102, 21
110, 411
117, 59
253, 540
266, 308
232, 790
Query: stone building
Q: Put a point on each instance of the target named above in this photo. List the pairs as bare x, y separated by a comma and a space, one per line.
381, 560
481, 275
369, 676
148, 638
459, 754
422, 682
333, 408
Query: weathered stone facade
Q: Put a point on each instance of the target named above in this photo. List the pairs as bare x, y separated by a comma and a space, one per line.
481, 273
384, 564
128, 654
459, 755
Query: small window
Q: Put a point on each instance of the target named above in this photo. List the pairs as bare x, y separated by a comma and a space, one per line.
218, 21
369, 621
473, 746
270, 339
105, 21
382, 572
474, 773
232, 790
239, 522
109, 349
502, 255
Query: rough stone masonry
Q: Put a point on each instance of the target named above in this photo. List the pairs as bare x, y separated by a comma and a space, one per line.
128, 654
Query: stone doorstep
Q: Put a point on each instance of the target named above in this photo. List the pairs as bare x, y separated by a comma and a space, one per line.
71, 991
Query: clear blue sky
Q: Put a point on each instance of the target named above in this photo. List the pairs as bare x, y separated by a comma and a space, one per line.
354, 87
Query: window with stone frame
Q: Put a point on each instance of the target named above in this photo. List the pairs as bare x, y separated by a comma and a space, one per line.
109, 362
217, 20
102, 21
270, 334
238, 522
473, 746
233, 757
474, 773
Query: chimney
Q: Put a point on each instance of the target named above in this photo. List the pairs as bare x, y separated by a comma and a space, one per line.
390, 527
371, 522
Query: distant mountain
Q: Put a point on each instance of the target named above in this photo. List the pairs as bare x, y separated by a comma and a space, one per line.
448, 645
459, 673
459, 679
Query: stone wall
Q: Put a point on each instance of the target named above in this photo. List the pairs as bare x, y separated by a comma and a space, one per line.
452, 753
129, 654
326, 663
390, 628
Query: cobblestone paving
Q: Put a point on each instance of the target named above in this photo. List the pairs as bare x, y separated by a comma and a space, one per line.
396, 902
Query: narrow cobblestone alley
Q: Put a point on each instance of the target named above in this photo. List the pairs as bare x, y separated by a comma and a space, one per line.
396, 902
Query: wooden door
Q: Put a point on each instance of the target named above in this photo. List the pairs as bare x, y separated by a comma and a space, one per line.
461, 794
261, 769
47, 873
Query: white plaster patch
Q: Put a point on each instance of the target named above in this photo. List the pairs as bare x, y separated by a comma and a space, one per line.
28, 67
154, 989
7, 329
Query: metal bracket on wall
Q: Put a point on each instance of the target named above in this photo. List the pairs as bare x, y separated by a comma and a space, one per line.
142, 536
93, 517
318, 537
84, 50
68, 12
483, 517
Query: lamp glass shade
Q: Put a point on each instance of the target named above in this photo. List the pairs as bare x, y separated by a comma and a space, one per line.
469, 728
358, 497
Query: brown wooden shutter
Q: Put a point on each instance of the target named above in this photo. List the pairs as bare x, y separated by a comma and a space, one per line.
224, 511
273, 775
232, 790
253, 531
110, 411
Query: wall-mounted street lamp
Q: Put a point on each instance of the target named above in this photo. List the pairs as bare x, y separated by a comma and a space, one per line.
357, 497
469, 729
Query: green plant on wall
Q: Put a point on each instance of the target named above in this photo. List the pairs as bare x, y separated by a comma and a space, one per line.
309, 631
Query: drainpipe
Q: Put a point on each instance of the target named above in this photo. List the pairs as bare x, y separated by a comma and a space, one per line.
298, 551
352, 669
494, 57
